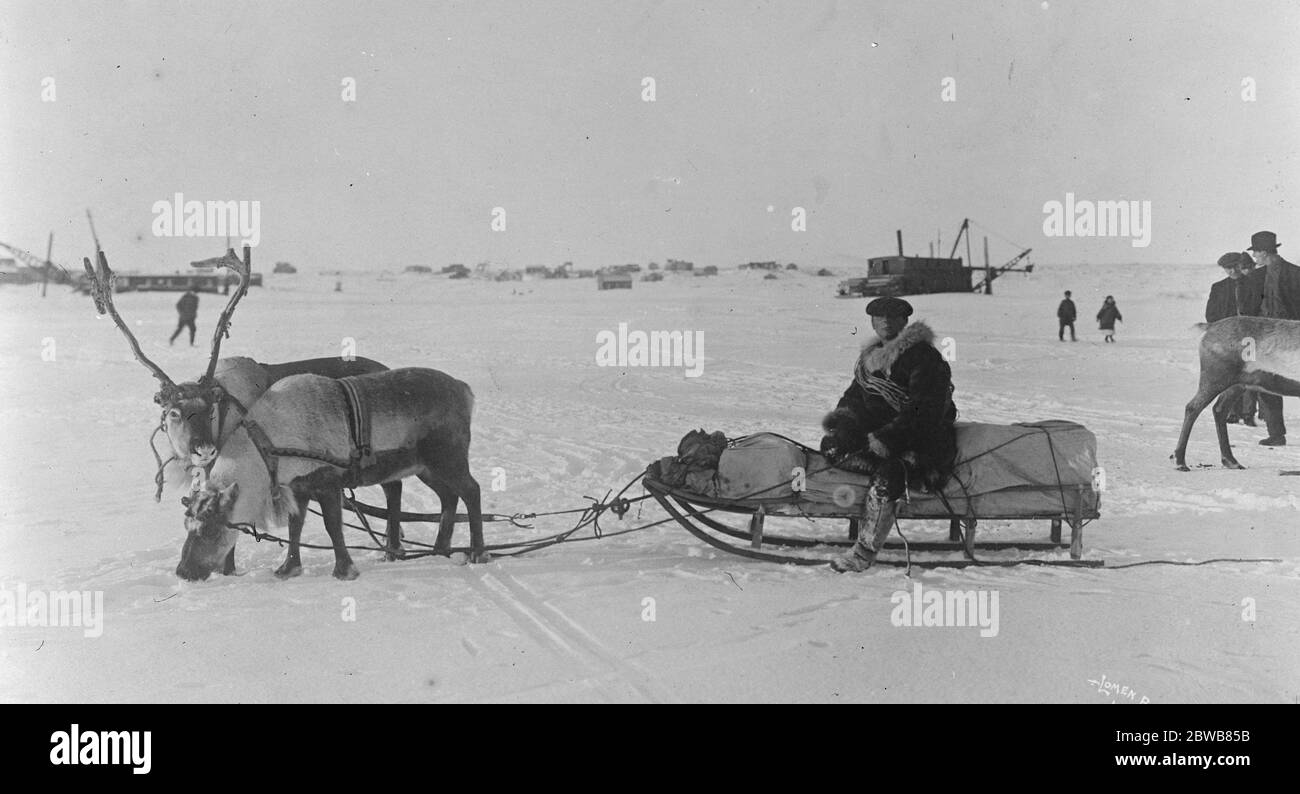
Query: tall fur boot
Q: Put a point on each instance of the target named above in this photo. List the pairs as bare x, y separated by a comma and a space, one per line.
863, 554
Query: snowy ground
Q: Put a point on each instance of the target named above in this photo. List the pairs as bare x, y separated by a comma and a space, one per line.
566, 624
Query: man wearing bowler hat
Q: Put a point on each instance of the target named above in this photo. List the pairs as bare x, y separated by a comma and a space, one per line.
1279, 283
894, 422
1236, 295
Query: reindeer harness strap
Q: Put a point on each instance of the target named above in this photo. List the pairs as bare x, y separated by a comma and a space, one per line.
221, 410
269, 451
358, 424
359, 458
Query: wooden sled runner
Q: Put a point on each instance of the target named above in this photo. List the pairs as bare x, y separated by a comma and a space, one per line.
1042, 471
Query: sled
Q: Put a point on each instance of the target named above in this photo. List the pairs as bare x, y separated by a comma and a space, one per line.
1041, 471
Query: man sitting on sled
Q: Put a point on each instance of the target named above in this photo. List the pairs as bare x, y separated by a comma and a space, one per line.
894, 422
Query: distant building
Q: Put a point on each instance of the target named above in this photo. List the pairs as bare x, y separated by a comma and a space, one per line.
679, 266
629, 268
418, 269
760, 266
610, 280
707, 270
911, 275
284, 267
200, 282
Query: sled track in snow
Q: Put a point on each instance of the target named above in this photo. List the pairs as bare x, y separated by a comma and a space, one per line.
551, 628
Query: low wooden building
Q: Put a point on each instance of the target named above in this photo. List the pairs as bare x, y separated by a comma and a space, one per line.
200, 282
608, 280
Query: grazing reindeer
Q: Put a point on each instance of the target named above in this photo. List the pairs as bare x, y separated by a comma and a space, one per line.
197, 416
300, 442
1240, 353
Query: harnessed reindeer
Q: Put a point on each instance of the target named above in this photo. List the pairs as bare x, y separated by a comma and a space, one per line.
1272, 365
198, 416
310, 437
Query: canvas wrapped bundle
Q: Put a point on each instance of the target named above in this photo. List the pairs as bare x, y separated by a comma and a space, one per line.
1039, 469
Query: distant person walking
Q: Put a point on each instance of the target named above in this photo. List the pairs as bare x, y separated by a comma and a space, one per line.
1107, 316
188, 309
1279, 280
1066, 313
1236, 295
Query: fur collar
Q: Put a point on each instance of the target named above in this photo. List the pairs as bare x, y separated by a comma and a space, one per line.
879, 357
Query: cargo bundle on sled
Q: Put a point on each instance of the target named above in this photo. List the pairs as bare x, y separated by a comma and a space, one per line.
1043, 471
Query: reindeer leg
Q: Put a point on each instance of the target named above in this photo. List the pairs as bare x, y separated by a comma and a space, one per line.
229, 568
393, 495
331, 508
468, 489
1220, 412
292, 565
447, 505
1205, 393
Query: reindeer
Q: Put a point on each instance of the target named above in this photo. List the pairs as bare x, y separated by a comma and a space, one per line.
198, 416
299, 443
1239, 353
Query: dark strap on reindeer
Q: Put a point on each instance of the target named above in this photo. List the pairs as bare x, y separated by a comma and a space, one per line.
262, 443
358, 425
360, 457
221, 413
228, 400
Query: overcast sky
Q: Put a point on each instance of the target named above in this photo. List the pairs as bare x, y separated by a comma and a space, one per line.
537, 108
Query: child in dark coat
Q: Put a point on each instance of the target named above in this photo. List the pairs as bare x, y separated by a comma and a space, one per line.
1107, 316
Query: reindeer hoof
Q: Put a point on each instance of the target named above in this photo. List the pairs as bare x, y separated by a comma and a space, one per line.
1229, 463
288, 571
391, 555
478, 557
444, 551
346, 573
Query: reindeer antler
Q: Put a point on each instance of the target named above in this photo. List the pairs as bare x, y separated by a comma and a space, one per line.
102, 289
243, 268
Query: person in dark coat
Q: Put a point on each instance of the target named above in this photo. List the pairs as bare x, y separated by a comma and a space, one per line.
895, 421
1107, 316
1279, 281
188, 309
1066, 313
1238, 294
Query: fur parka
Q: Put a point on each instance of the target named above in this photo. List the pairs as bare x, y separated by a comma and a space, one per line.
919, 431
